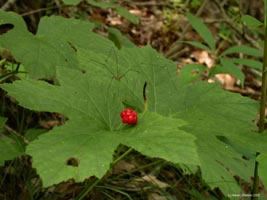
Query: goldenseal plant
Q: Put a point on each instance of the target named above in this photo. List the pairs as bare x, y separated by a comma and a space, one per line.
192, 123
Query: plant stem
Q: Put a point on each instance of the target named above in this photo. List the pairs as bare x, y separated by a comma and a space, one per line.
255, 188
264, 84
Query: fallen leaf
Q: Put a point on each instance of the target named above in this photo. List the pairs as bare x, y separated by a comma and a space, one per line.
152, 179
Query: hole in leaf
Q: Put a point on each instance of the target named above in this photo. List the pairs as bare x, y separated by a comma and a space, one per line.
74, 162
4, 28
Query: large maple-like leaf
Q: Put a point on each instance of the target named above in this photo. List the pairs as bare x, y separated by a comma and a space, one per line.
54, 44
94, 129
221, 121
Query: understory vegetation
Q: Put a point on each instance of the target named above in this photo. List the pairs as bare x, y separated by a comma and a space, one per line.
152, 100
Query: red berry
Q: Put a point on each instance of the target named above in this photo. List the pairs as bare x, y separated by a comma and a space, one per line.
129, 116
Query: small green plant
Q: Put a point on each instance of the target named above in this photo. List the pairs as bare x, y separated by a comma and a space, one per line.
224, 64
107, 4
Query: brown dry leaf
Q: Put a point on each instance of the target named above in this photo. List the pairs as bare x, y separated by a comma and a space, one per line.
152, 179
203, 57
115, 21
187, 61
123, 166
97, 17
136, 12
66, 187
49, 124
227, 81
138, 184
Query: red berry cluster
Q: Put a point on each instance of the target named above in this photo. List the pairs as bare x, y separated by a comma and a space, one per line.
129, 116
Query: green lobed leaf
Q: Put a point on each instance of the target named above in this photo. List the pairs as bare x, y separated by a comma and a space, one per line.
158, 132
67, 29
208, 109
38, 53
214, 115
222, 121
219, 120
94, 129
81, 37
202, 29
136, 66
243, 49
251, 21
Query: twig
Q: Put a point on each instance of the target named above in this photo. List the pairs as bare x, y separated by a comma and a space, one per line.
214, 21
152, 3
8, 4
38, 10
264, 76
10, 130
171, 53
